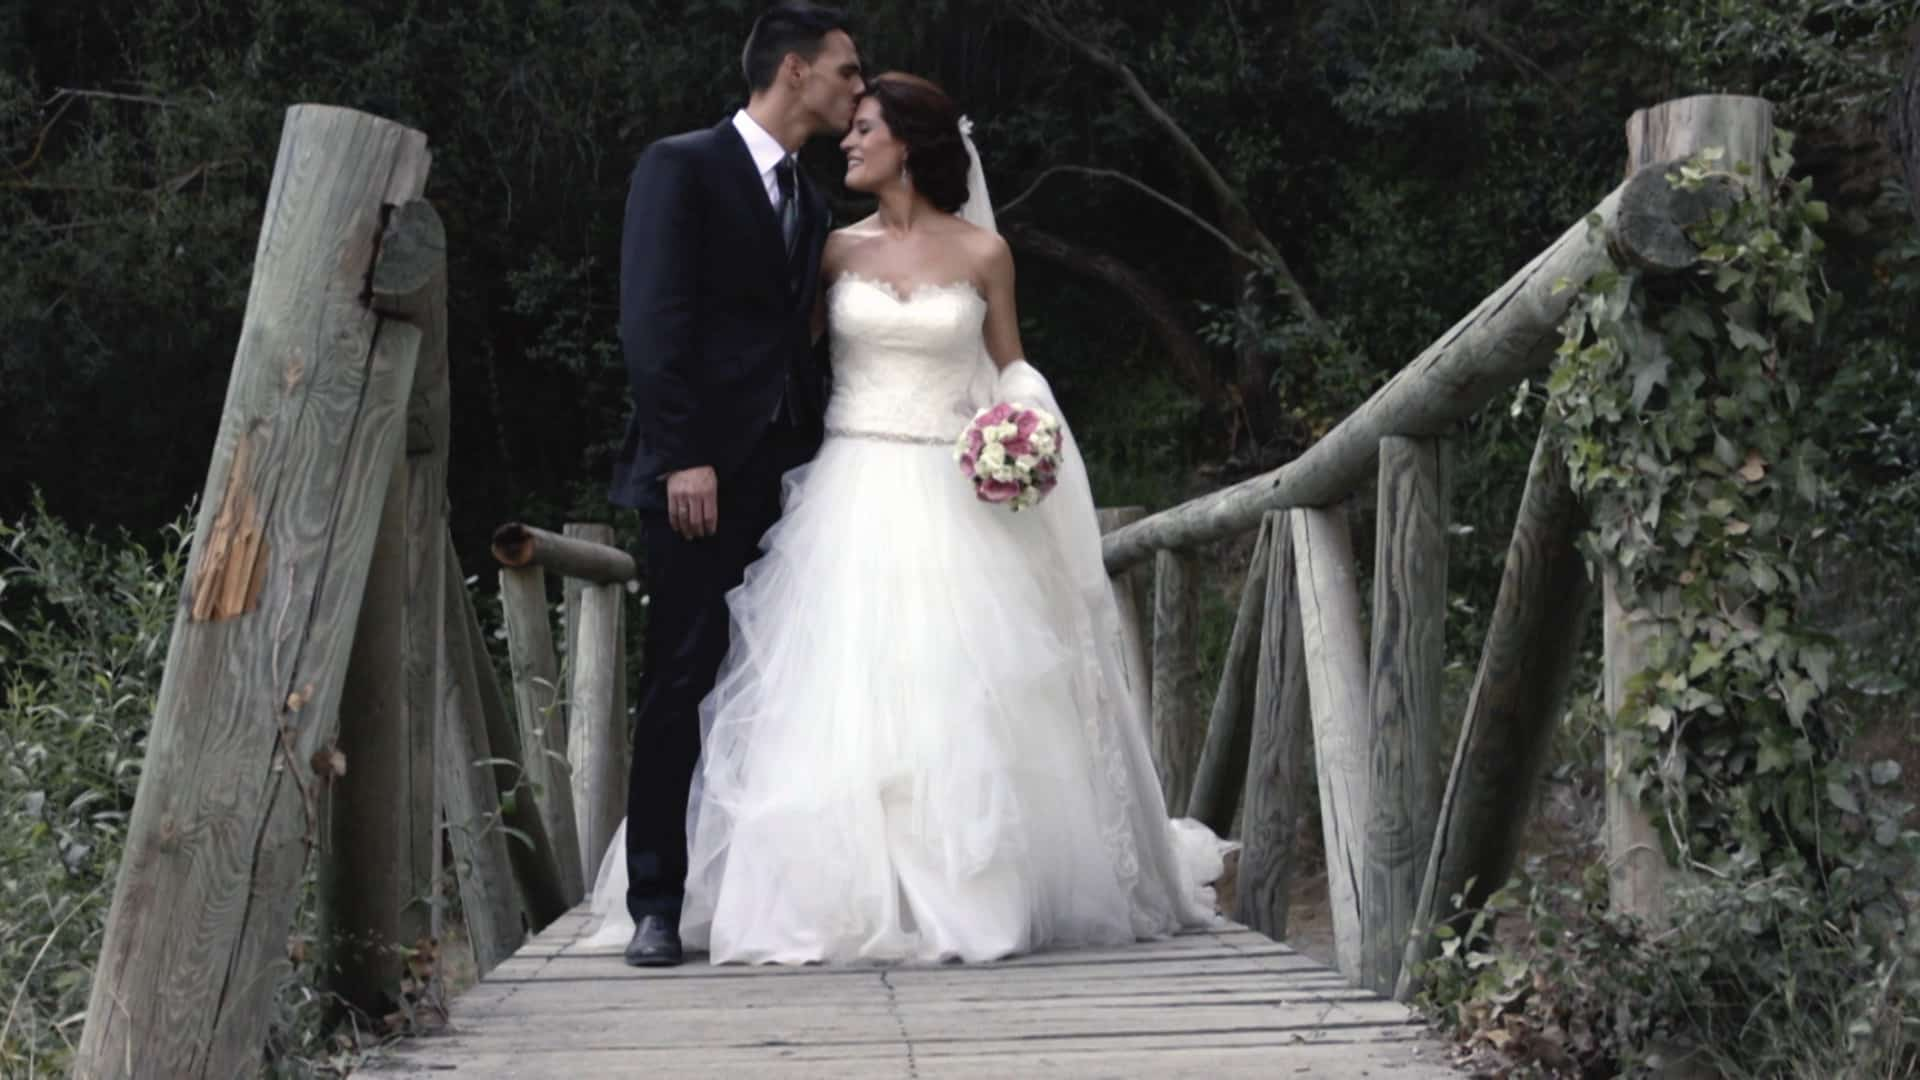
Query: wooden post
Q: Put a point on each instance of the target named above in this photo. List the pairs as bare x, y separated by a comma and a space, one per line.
536, 862
242, 734
595, 739
1132, 592
1409, 651
1533, 643
1176, 673
377, 877
543, 737
481, 862
1277, 757
585, 552
1222, 775
1638, 869
1337, 687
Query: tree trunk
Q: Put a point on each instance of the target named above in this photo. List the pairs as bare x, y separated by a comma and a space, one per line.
1185, 351
1282, 738
1409, 650
229, 797
1903, 122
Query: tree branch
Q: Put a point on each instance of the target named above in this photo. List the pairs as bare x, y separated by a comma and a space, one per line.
1239, 220
1162, 312
1165, 200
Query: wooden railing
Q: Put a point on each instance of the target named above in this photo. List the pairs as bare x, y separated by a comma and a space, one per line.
328, 697
1303, 686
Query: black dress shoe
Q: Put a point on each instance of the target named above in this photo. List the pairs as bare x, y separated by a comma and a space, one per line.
656, 943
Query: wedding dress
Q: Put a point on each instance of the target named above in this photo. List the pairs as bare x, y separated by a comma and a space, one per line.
921, 745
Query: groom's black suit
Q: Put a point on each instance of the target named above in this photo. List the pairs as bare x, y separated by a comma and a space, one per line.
715, 324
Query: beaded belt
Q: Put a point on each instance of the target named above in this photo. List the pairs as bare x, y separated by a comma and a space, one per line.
888, 436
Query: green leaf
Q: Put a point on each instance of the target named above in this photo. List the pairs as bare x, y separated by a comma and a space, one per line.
1800, 698
1744, 338
1839, 795
1818, 660
1765, 578
1705, 659
1883, 773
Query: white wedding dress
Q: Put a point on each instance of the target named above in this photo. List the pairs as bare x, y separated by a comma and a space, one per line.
921, 745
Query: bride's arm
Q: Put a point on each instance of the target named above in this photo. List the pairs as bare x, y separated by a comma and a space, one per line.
1003, 319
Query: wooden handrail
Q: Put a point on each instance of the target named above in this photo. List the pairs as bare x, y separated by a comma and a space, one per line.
516, 545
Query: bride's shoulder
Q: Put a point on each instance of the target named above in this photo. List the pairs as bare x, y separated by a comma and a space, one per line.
988, 254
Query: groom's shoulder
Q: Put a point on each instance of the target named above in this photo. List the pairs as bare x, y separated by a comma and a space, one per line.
685, 143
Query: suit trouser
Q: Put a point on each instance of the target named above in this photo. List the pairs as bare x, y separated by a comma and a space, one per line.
687, 637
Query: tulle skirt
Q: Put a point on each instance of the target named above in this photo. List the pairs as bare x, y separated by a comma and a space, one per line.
909, 752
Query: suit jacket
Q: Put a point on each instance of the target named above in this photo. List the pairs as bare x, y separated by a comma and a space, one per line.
714, 320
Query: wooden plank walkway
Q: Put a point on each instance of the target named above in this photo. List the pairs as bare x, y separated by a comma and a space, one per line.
1219, 1003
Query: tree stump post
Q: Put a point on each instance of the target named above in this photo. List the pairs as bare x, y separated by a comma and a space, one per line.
1277, 773
543, 737
1336, 663
240, 751
1638, 870
1409, 652
597, 742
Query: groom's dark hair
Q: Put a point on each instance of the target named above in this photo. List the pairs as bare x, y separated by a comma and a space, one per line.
789, 28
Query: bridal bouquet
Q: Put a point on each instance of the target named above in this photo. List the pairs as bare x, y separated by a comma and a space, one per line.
1011, 454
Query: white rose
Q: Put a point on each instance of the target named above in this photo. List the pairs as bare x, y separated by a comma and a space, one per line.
992, 454
1042, 442
1026, 464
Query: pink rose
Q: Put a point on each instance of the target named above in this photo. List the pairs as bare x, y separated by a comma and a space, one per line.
975, 441
1017, 446
999, 491
996, 415
1027, 423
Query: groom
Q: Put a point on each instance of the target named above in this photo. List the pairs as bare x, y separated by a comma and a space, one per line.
718, 269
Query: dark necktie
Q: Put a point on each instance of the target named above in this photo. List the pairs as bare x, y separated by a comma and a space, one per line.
789, 206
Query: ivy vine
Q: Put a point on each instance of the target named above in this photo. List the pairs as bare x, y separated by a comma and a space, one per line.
1674, 402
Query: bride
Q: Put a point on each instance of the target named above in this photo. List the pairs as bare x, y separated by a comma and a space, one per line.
921, 744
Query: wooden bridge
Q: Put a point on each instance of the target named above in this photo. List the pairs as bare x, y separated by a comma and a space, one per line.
329, 706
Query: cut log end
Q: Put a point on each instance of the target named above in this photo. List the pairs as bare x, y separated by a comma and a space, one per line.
413, 252
513, 545
1650, 230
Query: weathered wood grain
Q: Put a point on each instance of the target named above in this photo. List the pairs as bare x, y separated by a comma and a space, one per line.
1277, 773
377, 880
1221, 777
516, 545
595, 737
536, 862
482, 865
228, 806
1526, 664
1510, 334
1638, 871
1219, 1004
1409, 651
543, 741
1176, 676
1336, 663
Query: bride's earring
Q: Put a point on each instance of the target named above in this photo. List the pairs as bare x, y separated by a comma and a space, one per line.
905, 177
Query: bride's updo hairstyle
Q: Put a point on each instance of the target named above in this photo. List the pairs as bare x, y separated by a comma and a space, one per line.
923, 118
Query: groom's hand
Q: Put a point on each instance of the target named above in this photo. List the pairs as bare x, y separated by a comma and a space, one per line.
693, 502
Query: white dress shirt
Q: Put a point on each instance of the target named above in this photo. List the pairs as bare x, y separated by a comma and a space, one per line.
766, 150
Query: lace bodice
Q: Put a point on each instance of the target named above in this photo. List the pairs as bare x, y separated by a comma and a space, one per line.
903, 365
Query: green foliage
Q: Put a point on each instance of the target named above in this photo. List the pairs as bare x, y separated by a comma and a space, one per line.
1683, 408
83, 631
1755, 977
